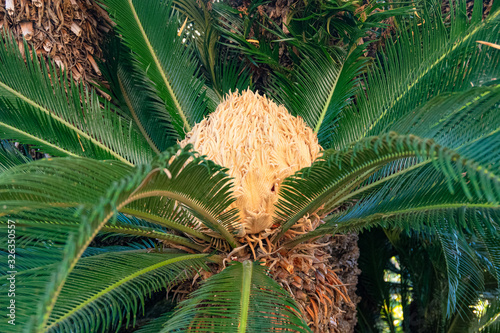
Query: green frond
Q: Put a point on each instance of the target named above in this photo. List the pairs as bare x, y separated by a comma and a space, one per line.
236, 300
419, 201
426, 59
44, 183
455, 120
119, 283
100, 189
136, 96
319, 88
201, 186
183, 221
42, 282
40, 248
149, 28
464, 121
417, 198
223, 69
335, 175
198, 184
39, 107
167, 238
231, 74
62, 219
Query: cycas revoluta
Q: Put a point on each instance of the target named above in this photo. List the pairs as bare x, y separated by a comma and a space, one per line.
411, 144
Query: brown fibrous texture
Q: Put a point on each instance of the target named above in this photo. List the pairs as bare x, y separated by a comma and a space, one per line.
67, 31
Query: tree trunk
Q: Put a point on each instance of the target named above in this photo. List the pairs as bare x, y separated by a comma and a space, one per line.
68, 31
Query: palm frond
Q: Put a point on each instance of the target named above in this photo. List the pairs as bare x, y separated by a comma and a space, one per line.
163, 211
40, 107
149, 29
417, 198
235, 301
119, 283
103, 188
62, 219
335, 175
455, 120
136, 96
319, 88
223, 69
177, 174
420, 202
39, 251
425, 60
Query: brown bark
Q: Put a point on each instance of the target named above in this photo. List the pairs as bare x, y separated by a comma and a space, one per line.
69, 32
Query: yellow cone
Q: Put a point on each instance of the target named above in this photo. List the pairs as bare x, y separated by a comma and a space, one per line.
261, 144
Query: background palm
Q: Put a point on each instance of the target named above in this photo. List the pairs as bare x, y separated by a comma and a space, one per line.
436, 179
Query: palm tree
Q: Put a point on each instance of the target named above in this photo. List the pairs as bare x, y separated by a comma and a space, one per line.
411, 146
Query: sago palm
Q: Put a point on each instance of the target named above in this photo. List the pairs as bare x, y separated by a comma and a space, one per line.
194, 177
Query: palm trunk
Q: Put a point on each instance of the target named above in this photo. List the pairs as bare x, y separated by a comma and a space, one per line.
322, 276
69, 32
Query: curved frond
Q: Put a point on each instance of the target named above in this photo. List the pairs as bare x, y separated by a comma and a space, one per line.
64, 219
136, 96
119, 283
100, 189
319, 88
455, 120
236, 300
198, 184
420, 202
429, 57
40, 107
334, 175
421, 197
149, 28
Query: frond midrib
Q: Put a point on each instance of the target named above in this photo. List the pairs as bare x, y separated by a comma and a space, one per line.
441, 58
327, 101
195, 206
64, 122
42, 141
160, 68
246, 284
377, 216
123, 281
